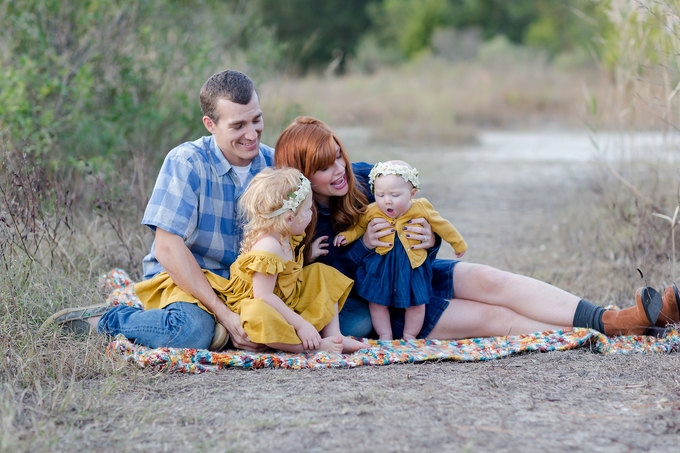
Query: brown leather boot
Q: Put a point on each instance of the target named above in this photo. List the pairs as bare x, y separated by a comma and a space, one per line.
634, 320
670, 312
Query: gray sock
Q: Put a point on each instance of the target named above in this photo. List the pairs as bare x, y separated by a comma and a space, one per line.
588, 315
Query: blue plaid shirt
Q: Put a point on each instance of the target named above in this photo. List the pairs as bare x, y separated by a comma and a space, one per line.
195, 197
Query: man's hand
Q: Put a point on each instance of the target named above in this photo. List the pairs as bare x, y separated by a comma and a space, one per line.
232, 322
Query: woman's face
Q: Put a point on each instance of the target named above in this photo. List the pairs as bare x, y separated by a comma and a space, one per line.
330, 181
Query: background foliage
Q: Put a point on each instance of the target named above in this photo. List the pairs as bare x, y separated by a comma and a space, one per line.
106, 79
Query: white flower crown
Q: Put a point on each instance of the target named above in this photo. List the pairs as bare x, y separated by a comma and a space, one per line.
294, 199
390, 168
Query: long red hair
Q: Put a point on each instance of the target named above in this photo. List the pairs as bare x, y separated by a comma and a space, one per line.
309, 145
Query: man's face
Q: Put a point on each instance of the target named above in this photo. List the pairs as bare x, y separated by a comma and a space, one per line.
238, 129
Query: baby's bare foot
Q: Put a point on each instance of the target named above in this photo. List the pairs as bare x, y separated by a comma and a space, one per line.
385, 336
409, 337
351, 345
331, 344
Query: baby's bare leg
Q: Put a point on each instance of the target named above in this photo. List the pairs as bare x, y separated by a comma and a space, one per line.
333, 330
380, 317
413, 321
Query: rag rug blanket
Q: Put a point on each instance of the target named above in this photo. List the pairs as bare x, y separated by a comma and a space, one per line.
119, 286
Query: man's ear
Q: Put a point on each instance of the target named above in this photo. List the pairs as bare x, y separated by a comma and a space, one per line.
209, 124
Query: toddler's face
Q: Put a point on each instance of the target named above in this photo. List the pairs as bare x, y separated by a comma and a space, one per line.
304, 216
393, 195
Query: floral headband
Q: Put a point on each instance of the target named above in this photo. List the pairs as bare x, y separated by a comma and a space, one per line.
390, 168
293, 199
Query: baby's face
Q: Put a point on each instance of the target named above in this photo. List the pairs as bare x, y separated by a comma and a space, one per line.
393, 195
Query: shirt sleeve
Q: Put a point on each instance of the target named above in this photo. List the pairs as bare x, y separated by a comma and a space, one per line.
173, 205
443, 227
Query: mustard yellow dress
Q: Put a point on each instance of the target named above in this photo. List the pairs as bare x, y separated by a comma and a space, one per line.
311, 291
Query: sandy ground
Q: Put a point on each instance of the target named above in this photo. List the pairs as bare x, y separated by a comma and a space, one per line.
562, 401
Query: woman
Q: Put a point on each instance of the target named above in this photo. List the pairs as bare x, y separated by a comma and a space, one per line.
470, 300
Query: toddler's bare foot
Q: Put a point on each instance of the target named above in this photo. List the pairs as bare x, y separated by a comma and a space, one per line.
408, 336
385, 336
352, 345
331, 344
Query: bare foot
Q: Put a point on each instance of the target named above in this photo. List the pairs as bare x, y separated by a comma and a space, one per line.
351, 345
331, 344
408, 336
385, 336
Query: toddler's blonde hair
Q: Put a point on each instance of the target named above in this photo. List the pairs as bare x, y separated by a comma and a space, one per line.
264, 195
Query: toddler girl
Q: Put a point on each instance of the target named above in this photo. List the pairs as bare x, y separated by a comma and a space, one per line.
397, 275
281, 303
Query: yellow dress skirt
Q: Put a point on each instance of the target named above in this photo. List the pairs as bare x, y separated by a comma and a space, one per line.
311, 291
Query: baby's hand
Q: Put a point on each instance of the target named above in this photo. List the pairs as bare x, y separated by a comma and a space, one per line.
460, 255
339, 240
310, 338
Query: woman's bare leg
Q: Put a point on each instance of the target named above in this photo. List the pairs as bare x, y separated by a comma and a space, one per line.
526, 296
470, 319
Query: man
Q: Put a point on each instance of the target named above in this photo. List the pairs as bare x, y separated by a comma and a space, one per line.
193, 211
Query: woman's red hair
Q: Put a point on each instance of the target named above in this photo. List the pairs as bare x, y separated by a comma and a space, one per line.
309, 145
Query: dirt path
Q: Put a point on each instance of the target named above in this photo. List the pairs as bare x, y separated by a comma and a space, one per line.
558, 401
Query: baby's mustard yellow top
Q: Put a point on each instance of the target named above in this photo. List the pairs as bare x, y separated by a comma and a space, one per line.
420, 207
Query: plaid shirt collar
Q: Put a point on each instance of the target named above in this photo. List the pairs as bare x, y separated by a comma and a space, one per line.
222, 165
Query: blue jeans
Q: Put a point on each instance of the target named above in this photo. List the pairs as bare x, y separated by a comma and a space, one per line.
355, 319
179, 325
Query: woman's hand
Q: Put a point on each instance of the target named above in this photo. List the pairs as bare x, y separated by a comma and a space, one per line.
310, 338
420, 230
377, 228
319, 247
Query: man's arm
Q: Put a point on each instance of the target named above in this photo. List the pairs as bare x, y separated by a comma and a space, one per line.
180, 264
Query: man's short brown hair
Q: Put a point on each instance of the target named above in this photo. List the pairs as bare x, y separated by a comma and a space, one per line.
231, 85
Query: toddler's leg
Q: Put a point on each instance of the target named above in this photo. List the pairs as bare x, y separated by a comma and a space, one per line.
380, 317
329, 344
332, 330
413, 321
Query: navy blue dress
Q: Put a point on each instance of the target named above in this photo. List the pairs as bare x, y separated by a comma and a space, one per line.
389, 279
350, 258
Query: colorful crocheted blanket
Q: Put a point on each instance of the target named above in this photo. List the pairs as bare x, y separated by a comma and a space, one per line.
377, 352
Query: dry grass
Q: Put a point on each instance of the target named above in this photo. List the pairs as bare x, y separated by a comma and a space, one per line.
432, 101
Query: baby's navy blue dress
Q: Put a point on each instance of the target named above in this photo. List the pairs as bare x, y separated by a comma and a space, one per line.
389, 279
349, 259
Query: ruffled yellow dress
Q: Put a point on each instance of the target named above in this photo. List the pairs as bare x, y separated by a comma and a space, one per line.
311, 291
